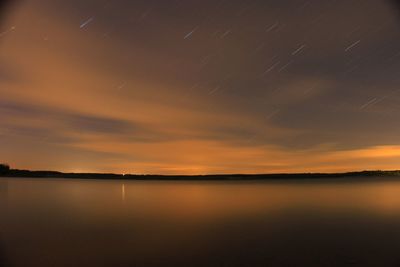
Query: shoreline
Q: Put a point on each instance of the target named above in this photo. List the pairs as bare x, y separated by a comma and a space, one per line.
210, 177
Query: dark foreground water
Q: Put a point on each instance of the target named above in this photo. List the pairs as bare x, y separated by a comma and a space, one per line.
57, 222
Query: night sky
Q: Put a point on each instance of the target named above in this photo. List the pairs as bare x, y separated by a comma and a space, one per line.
195, 87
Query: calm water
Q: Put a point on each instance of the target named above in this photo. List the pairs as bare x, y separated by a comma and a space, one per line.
57, 222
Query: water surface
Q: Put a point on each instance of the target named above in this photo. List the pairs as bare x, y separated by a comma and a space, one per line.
61, 222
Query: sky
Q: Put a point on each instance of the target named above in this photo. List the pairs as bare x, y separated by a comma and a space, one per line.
200, 87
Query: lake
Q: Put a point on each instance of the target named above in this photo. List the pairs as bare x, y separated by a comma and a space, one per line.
62, 222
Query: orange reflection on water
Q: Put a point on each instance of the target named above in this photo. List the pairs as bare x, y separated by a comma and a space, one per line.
205, 201
139, 220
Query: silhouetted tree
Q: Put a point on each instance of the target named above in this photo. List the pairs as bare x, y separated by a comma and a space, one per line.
4, 169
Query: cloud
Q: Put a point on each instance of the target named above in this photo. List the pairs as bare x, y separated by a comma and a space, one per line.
10, 74
128, 91
58, 118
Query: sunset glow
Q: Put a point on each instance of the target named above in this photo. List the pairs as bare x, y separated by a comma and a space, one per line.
197, 88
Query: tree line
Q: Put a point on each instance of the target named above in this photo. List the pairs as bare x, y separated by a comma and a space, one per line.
4, 168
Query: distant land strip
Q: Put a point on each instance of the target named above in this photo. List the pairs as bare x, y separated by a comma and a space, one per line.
15, 173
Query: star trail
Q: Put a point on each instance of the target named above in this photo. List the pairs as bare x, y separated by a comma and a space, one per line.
195, 87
